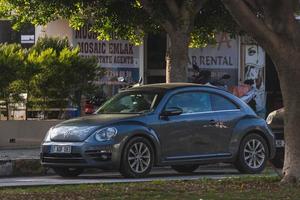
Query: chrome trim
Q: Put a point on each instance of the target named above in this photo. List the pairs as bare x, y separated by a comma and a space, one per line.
199, 156
216, 111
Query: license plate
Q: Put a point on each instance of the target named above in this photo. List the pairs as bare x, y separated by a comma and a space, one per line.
279, 143
61, 149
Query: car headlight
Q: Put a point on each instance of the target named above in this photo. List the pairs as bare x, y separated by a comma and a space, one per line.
270, 118
105, 134
47, 137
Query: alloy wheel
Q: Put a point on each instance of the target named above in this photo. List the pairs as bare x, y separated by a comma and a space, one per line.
139, 157
254, 153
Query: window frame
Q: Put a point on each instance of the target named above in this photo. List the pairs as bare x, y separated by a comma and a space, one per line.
238, 107
156, 101
189, 91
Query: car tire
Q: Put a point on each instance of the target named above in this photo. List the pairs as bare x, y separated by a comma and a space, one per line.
278, 160
137, 159
253, 154
68, 172
185, 168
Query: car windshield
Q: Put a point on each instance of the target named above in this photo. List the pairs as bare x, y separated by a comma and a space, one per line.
130, 102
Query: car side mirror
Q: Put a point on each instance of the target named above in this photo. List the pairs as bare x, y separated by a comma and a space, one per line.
172, 111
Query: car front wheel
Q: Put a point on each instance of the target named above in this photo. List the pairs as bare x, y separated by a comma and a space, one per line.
253, 154
68, 172
137, 159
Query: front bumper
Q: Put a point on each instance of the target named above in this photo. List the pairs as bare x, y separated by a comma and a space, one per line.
279, 141
83, 155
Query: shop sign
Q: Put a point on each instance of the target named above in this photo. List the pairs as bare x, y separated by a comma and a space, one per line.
118, 57
220, 58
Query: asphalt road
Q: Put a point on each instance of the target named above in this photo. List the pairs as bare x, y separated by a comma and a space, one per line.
114, 177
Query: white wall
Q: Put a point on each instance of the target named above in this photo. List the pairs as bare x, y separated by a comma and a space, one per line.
58, 28
25, 133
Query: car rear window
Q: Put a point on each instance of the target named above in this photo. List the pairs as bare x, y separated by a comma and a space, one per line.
191, 102
220, 103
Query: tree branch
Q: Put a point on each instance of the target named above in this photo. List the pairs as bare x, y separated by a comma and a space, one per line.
251, 24
279, 17
198, 5
188, 12
173, 7
148, 7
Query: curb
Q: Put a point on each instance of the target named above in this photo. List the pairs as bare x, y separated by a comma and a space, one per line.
33, 167
21, 167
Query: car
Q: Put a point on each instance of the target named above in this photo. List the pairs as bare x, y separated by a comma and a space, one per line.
180, 125
275, 120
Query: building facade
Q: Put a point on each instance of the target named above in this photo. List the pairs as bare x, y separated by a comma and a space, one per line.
240, 57
25, 36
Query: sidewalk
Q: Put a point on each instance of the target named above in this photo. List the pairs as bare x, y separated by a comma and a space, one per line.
16, 162
17, 154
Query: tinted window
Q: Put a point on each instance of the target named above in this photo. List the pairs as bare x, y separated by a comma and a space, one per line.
130, 102
191, 102
221, 103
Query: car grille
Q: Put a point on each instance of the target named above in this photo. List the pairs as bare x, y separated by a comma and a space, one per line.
99, 155
279, 134
62, 158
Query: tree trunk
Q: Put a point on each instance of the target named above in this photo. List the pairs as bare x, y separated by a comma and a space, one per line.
7, 109
289, 74
82, 105
26, 105
26, 111
177, 57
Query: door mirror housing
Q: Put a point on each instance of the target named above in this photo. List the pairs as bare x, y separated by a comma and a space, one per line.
172, 111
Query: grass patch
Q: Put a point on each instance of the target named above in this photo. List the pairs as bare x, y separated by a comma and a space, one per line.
230, 188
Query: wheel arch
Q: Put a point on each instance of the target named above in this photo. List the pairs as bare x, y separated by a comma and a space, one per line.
151, 138
254, 126
260, 133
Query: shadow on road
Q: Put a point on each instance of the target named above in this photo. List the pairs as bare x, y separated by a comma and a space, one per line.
158, 173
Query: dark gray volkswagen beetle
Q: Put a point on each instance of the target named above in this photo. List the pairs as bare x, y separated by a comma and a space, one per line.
181, 125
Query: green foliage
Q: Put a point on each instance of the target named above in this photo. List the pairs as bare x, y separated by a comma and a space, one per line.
11, 57
213, 19
197, 20
118, 19
51, 71
62, 73
56, 43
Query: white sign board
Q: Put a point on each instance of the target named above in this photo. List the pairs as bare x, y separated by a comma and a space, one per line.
221, 58
118, 57
222, 55
110, 54
27, 39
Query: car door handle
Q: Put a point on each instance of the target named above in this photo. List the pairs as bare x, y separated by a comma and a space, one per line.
212, 122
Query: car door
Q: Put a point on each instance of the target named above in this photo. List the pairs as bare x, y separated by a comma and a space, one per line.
228, 115
191, 133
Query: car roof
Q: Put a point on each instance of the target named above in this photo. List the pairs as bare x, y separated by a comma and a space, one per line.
163, 87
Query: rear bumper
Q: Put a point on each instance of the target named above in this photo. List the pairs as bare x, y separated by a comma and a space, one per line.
83, 155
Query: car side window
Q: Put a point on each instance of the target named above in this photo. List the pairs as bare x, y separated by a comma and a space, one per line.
191, 102
220, 103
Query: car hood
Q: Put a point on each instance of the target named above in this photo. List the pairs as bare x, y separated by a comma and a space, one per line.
79, 129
